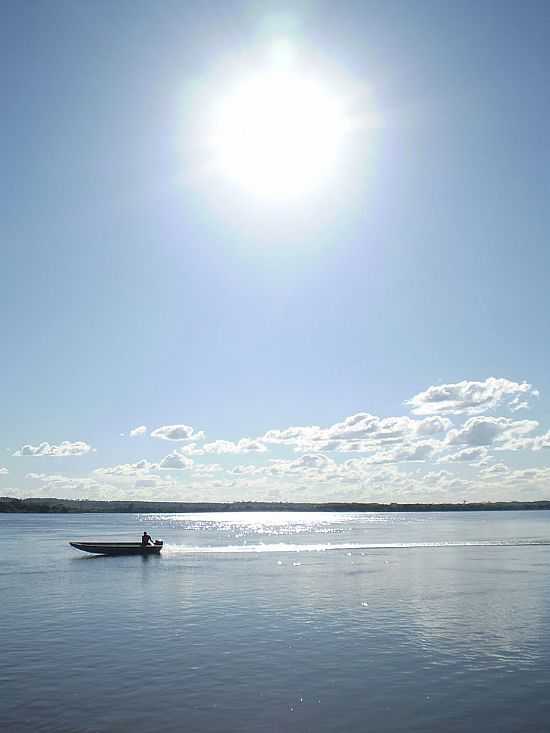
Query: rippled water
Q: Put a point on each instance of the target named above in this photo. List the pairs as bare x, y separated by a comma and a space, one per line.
277, 622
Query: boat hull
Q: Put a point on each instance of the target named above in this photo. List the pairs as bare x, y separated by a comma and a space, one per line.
118, 548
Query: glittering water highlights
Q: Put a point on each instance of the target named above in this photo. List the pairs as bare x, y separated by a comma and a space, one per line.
277, 622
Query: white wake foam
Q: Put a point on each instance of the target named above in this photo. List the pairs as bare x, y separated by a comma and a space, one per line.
174, 549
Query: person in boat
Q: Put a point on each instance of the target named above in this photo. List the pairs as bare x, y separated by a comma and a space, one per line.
146, 539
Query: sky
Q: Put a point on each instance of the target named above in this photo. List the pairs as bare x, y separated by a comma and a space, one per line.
269, 251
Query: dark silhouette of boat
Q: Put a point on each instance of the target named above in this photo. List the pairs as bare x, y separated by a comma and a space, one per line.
118, 548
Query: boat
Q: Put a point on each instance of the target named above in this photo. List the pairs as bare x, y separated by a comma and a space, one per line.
118, 548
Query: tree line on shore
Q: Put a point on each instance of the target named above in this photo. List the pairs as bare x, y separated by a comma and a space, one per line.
50, 505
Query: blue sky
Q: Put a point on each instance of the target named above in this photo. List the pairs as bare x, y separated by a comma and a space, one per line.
143, 286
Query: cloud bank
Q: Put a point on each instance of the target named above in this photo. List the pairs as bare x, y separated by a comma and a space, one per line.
451, 447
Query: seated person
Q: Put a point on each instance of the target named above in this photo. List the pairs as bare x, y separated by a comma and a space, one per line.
146, 539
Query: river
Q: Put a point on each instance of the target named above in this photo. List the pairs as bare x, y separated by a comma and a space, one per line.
277, 622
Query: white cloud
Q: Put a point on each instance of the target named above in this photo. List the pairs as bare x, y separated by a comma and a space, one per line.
359, 433
3, 471
316, 462
437, 477
206, 468
244, 470
66, 487
469, 455
177, 433
368, 429
66, 448
176, 462
146, 483
517, 404
539, 442
470, 397
308, 465
495, 471
535, 475
405, 453
245, 445
478, 431
433, 425
542, 441
510, 481
126, 469
290, 436
225, 447
137, 432
191, 449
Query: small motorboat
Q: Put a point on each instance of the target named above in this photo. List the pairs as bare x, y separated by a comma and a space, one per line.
118, 548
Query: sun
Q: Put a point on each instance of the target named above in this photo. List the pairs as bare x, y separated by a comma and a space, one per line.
278, 133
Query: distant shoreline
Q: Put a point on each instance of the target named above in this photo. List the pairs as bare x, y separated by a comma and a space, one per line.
86, 506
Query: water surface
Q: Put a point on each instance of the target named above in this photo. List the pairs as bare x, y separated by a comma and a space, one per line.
277, 622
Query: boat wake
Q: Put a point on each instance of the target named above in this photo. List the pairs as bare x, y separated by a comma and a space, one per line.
174, 549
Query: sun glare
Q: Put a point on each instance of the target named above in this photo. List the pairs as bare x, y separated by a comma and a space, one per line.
278, 134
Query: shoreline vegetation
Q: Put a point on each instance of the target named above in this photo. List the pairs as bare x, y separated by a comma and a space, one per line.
86, 506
